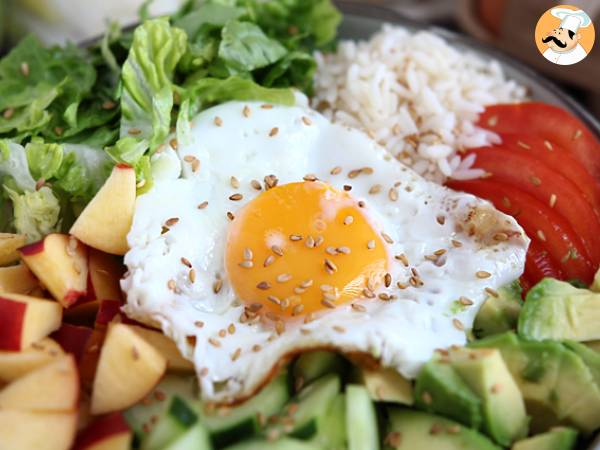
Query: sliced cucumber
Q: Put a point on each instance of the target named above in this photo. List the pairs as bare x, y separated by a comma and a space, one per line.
141, 416
196, 438
361, 419
332, 427
312, 365
305, 411
174, 422
281, 444
233, 424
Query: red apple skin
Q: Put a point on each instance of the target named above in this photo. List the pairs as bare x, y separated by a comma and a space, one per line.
72, 297
73, 339
123, 166
107, 311
33, 248
103, 427
12, 315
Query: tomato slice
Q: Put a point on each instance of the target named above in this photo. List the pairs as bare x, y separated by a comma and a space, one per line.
549, 122
538, 265
558, 159
543, 225
537, 179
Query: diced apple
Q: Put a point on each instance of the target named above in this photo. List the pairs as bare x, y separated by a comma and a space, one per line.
165, 345
9, 245
51, 388
128, 369
26, 430
73, 339
17, 280
14, 365
110, 432
60, 263
24, 320
106, 220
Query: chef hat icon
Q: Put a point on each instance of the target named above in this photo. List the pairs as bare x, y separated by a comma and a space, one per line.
571, 19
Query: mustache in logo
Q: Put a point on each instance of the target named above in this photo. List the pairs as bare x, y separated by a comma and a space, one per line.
555, 40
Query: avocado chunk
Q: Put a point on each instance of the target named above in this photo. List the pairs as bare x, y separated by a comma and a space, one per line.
416, 430
502, 405
386, 385
589, 357
557, 386
560, 438
593, 345
499, 312
556, 310
439, 389
311, 365
332, 426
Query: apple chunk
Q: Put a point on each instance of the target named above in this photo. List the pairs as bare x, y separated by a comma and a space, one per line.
165, 345
128, 368
9, 244
24, 320
14, 365
17, 280
73, 339
110, 432
106, 220
51, 388
60, 263
20, 430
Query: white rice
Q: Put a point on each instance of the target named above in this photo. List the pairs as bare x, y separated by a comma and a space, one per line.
416, 95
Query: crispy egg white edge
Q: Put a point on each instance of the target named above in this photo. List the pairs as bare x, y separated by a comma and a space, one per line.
402, 334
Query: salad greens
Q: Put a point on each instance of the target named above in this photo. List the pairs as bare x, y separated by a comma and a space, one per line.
67, 114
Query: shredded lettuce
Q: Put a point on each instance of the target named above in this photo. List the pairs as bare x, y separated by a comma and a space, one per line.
36, 213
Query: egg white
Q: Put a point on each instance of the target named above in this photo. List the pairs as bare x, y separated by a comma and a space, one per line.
402, 333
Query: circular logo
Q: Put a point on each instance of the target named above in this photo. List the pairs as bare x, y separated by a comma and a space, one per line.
564, 35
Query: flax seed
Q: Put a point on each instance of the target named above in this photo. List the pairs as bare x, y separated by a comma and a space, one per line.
218, 121
336, 170
192, 276
456, 243
217, 285
339, 328
230, 215
247, 112
263, 285
236, 197
310, 177
186, 262
328, 303
358, 308
214, 342
482, 274
535, 181
375, 189
199, 324
268, 261
393, 194
256, 185
280, 327
402, 258
465, 301
266, 106
236, 354
368, 293
273, 131
235, 183
174, 144
203, 205
386, 237
306, 121
458, 324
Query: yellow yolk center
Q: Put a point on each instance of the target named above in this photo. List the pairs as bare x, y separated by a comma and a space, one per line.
303, 247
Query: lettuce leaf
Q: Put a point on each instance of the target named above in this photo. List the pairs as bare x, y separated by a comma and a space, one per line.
35, 213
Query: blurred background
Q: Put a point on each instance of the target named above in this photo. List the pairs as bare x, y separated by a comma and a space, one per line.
505, 24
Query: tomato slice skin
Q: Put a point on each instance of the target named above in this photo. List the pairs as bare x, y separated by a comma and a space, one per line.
547, 229
556, 158
537, 179
549, 122
538, 265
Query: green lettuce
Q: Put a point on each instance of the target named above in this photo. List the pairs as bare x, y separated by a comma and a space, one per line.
35, 213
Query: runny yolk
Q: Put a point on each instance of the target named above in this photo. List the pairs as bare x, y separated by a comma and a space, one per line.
303, 247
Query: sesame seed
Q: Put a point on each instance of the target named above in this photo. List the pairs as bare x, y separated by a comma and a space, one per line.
273, 131
482, 274
256, 348
135, 354
328, 303
375, 189
368, 293
492, 121
387, 238
268, 261
501, 237
310, 242
383, 296
246, 264
277, 250
172, 221
358, 308
306, 284
552, 201
214, 342
454, 429
199, 324
402, 258
339, 328
458, 324
25, 69
440, 252
8, 113
506, 202
230, 215
202, 205
274, 300
247, 112
263, 285
331, 250
235, 183
248, 254
217, 285
231, 328
297, 310
441, 220
270, 181
401, 285
174, 144
329, 264
535, 181
256, 185
172, 285
283, 278
279, 327
59, 131
236, 354
192, 275
491, 291
371, 244
456, 243
354, 173
310, 177
266, 106
393, 439
577, 134
134, 131
541, 235
387, 279
336, 170
108, 104
222, 333
496, 388
348, 220
426, 397
218, 121
523, 145
548, 145
236, 197
319, 240
393, 194
186, 262
465, 301
344, 250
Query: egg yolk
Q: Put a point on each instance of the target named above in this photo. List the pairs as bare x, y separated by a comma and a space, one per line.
303, 247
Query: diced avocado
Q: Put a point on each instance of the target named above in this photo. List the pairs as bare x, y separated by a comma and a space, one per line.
499, 312
332, 427
141, 416
415, 430
280, 444
386, 385
439, 389
312, 365
303, 415
557, 386
556, 310
560, 438
589, 357
175, 421
361, 419
233, 424
502, 405
196, 438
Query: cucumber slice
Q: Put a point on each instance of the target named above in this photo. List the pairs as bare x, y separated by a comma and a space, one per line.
196, 438
361, 419
178, 418
281, 444
312, 365
143, 415
332, 427
306, 410
233, 424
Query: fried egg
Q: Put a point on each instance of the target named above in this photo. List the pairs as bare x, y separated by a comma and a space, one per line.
271, 231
